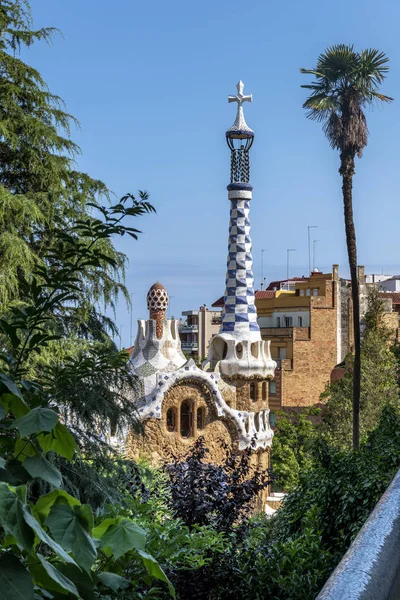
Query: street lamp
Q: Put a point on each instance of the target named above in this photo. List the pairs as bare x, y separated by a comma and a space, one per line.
287, 264
314, 242
262, 267
309, 247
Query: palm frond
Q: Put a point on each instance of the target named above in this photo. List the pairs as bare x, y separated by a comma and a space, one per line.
319, 105
346, 81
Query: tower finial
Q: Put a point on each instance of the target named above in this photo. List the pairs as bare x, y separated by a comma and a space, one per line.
240, 129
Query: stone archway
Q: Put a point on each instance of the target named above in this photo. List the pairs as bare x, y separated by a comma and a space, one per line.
191, 400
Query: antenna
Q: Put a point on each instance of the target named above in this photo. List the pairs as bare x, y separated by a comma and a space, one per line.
287, 264
309, 247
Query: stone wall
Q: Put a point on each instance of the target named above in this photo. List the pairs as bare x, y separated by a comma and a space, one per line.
314, 357
157, 443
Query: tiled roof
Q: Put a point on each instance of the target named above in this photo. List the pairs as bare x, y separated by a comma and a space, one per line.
263, 294
260, 295
218, 303
395, 296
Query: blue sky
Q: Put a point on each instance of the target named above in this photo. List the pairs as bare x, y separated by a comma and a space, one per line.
149, 82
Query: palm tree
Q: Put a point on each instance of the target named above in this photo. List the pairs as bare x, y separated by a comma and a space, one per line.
346, 82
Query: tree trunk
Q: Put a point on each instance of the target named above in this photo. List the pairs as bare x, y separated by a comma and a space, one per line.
347, 172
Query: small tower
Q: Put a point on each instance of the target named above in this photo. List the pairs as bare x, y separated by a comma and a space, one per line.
238, 350
157, 304
157, 345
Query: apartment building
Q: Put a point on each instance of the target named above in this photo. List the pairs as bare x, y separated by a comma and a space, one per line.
308, 321
197, 329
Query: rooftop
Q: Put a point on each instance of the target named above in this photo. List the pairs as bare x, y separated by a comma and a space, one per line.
395, 296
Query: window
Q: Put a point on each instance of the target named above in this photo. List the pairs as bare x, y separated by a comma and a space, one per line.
200, 418
278, 321
272, 388
307, 292
315, 292
300, 321
171, 419
301, 292
186, 417
288, 321
253, 392
282, 352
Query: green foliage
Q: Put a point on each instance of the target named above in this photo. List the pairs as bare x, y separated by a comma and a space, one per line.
379, 382
57, 545
346, 81
290, 453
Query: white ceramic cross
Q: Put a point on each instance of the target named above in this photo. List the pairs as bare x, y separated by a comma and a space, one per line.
240, 98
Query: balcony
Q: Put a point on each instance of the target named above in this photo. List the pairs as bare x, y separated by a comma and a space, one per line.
190, 346
188, 328
272, 332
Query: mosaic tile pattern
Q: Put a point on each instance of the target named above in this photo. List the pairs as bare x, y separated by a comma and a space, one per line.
152, 354
253, 428
239, 313
157, 298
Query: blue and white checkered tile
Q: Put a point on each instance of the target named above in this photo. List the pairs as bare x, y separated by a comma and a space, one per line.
239, 312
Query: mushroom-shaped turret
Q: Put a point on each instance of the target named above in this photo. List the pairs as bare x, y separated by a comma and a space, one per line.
157, 304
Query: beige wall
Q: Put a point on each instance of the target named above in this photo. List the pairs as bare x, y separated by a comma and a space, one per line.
207, 329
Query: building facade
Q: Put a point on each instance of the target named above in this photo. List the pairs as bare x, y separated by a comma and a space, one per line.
308, 321
197, 330
227, 399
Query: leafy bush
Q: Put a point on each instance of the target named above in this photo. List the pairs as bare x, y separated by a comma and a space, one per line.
290, 452
203, 493
55, 547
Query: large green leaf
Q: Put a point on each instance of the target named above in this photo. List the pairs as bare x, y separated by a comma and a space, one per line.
39, 466
59, 440
43, 506
122, 537
44, 537
38, 419
69, 529
12, 518
14, 404
10, 385
15, 581
86, 514
58, 577
14, 473
154, 570
82, 580
24, 448
113, 581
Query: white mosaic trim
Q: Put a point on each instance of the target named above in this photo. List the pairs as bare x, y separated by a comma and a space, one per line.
253, 428
240, 194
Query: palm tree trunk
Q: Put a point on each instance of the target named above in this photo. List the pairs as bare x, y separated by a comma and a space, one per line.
347, 171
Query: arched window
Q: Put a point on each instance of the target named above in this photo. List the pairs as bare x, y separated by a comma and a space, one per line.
171, 419
253, 392
201, 417
186, 418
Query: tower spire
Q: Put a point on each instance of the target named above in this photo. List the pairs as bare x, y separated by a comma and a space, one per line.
239, 314
238, 347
